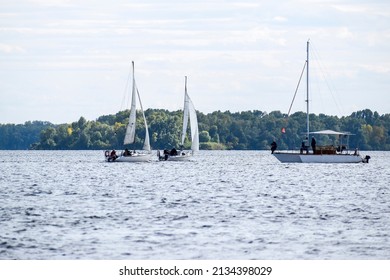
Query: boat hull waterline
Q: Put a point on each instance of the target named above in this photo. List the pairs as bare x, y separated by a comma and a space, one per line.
310, 158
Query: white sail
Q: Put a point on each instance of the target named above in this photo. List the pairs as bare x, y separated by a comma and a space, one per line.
147, 141
194, 127
185, 113
130, 130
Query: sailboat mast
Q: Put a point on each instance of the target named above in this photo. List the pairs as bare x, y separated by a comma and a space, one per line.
307, 91
132, 63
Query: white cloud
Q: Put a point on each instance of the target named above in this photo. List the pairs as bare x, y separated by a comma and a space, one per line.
344, 33
371, 9
5, 48
380, 68
280, 19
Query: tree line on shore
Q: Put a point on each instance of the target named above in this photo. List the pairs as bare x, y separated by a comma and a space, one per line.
248, 130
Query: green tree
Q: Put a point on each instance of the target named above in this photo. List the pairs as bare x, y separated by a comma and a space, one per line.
204, 136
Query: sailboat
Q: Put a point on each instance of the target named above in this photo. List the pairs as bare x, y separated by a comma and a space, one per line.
189, 113
320, 154
126, 155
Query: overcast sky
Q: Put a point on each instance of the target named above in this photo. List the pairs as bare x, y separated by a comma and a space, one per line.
62, 59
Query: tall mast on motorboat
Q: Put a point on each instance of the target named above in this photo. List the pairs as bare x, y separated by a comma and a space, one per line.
307, 92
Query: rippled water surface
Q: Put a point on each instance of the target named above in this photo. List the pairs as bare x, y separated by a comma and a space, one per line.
222, 205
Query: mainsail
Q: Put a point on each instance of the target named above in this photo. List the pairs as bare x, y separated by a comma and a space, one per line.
185, 113
189, 112
130, 130
194, 127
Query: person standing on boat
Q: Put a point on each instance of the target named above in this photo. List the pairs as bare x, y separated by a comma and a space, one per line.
273, 147
313, 144
304, 147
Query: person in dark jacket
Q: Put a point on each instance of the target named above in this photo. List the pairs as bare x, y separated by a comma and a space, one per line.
313, 144
273, 147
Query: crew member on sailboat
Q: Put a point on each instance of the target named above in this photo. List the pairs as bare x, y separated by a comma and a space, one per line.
273, 147
313, 144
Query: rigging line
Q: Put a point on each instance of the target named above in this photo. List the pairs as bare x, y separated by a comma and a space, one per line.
296, 90
325, 76
125, 94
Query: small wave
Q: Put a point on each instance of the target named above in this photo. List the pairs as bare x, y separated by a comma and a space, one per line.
207, 226
70, 193
180, 218
159, 233
94, 217
38, 193
28, 213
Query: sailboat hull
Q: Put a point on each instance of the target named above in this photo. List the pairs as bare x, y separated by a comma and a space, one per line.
180, 157
310, 158
133, 158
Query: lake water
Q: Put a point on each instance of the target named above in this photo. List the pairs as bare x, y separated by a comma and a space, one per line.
222, 205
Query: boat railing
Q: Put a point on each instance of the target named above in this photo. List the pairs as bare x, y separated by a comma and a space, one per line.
322, 150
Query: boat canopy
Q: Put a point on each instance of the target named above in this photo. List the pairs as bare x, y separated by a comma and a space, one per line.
330, 132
